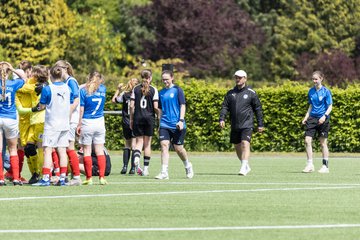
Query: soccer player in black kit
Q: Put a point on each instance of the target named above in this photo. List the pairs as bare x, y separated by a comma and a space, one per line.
242, 102
143, 106
123, 95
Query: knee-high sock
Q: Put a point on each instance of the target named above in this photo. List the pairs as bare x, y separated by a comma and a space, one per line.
14, 163
74, 162
55, 159
21, 155
126, 156
88, 166
40, 159
101, 163
1, 168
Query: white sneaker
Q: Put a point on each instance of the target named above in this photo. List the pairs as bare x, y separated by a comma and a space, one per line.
145, 172
309, 168
324, 169
162, 176
189, 171
244, 170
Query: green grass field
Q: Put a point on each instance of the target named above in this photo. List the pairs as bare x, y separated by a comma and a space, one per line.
275, 201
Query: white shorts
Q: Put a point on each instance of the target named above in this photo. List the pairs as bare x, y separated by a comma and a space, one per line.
72, 131
55, 138
10, 127
92, 131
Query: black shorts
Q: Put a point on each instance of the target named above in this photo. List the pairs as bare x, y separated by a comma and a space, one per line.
244, 134
128, 134
175, 136
313, 126
143, 130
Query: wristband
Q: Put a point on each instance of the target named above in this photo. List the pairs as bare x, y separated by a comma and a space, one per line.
326, 116
181, 120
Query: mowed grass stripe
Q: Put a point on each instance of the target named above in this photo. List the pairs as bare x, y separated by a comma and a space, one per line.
178, 193
182, 228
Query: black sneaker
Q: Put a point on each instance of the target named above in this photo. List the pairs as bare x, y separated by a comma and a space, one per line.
17, 183
132, 170
123, 170
34, 178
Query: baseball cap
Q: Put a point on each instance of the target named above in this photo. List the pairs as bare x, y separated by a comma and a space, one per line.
240, 73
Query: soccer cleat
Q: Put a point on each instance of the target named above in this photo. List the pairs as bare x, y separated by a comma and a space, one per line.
42, 183
88, 182
132, 170
34, 178
162, 176
324, 169
145, 172
309, 168
17, 183
61, 182
2, 183
139, 171
102, 181
74, 182
244, 170
189, 171
123, 170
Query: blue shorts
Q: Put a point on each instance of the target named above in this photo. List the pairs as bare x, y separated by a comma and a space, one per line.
175, 136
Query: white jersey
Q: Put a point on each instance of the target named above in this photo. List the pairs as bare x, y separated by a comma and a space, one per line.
58, 109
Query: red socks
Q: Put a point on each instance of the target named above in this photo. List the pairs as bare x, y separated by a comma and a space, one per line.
21, 155
14, 163
88, 166
74, 162
101, 163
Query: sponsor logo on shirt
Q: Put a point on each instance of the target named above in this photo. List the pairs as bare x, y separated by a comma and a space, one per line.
246, 96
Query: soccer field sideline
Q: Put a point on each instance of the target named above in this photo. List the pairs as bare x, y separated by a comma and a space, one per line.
216, 204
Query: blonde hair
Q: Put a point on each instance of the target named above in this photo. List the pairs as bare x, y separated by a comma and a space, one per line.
94, 80
145, 74
131, 84
66, 65
3, 81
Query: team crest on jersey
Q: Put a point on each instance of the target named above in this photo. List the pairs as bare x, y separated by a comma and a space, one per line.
321, 98
171, 95
234, 94
246, 96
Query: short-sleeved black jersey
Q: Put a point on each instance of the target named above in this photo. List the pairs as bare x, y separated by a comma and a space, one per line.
242, 104
144, 105
126, 108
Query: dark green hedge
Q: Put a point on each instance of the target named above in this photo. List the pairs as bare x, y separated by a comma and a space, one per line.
284, 108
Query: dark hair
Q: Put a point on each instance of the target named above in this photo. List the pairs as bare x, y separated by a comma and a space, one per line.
56, 72
41, 73
145, 74
25, 65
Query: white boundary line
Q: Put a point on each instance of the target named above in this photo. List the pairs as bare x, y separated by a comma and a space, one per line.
159, 182
181, 228
177, 193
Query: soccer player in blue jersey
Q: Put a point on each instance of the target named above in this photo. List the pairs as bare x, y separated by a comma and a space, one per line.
123, 95
91, 127
74, 120
317, 120
172, 124
9, 122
